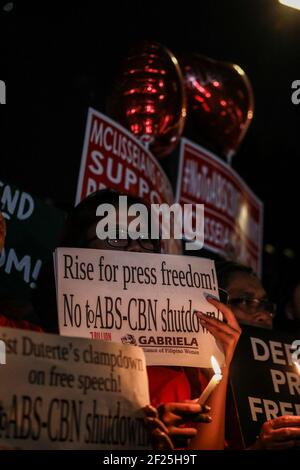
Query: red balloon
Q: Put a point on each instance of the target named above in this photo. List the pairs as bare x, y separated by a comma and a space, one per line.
149, 98
220, 103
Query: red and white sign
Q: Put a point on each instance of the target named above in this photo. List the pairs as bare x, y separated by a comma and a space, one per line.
233, 214
112, 157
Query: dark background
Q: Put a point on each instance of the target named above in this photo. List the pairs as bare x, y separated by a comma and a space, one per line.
59, 58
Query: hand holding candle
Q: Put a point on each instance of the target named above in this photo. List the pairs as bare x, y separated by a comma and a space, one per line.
214, 381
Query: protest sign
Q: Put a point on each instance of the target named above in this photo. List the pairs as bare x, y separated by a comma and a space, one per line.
113, 158
139, 298
62, 393
33, 228
264, 378
233, 214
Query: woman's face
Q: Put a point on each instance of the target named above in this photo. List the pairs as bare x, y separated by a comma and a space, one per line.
248, 300
142, 244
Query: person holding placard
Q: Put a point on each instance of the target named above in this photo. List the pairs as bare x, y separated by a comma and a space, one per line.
158, 432
212, 435
171, 388
250, 304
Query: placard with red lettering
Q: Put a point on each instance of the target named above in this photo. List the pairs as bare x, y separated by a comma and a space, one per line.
112, 157
233, 214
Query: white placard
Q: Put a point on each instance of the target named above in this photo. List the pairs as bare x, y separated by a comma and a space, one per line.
71, 393
139, 298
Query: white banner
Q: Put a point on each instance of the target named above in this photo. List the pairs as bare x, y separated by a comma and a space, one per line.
63, 393
139, 298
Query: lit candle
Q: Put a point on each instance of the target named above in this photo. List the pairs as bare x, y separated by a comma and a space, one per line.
297, 365
216, 378
296, 354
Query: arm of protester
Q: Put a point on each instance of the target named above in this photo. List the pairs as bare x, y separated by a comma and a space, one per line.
280, 433
227, 333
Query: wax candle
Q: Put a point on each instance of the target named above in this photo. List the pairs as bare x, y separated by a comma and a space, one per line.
214, 381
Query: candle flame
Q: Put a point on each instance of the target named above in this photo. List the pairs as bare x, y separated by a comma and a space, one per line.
215, 365
297, 366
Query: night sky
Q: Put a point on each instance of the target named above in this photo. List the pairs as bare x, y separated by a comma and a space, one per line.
57, 61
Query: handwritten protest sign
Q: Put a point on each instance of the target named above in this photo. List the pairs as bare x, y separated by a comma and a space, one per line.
264, 378
233, 214
114, 158
140, 298
62, 393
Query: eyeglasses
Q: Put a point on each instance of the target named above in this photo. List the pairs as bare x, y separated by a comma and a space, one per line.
252, 306
223, 295
122, 240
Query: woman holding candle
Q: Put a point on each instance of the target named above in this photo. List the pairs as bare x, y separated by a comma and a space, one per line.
212, 384
158, 432
172, 390
170, 387
249, 303
227, 333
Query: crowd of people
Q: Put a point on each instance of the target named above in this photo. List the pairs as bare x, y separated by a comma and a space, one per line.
174, 417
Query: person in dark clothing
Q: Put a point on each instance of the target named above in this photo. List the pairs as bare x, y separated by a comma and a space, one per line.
80, 231
250, 304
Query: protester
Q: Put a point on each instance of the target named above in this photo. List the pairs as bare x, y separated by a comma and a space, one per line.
80, 231
157, 430
246, 296
250, 304
212, 435
170, 387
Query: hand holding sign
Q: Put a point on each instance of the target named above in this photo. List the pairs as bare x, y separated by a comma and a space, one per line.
281, 433
146, 298
226, 333
268, 408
